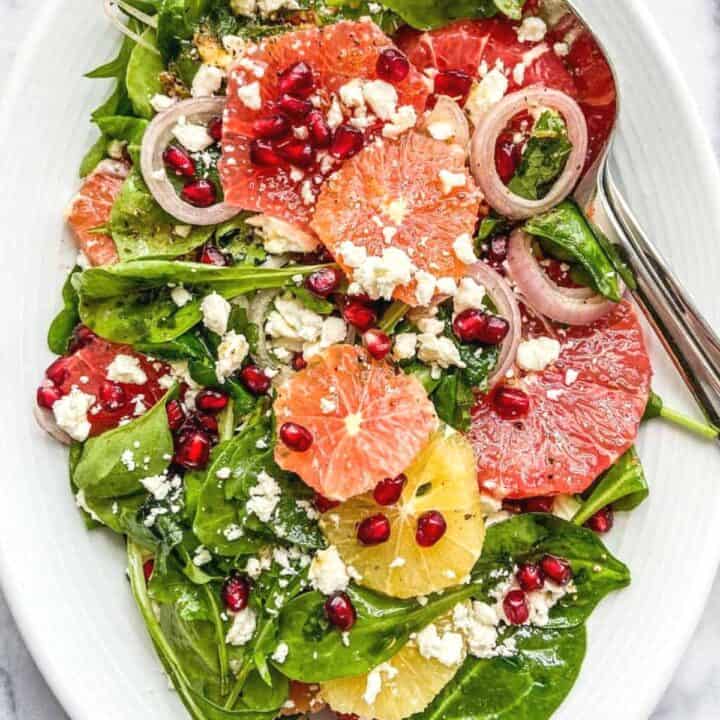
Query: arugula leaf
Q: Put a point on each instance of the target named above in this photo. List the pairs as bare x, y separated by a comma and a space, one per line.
93, 157
62, 326
389, 21
544, 158
623, 486
127, 129
429, 14
131, 303
527, 686
118, 102
101, 472
568, 235
141, 228
142, 77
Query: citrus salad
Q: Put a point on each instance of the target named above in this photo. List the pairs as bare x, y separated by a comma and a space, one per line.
342, 360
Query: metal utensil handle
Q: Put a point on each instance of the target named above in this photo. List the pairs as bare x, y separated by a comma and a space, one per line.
688, 338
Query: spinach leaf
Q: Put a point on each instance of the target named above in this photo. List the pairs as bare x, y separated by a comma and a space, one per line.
105, 470
623, 486
131, 302
383, 626
62, 326
141, 228
527, 686
429, 14
544, 158
129, 130
93, 157
142, 77
568, 235
118, 103
389, 21
528, 536
490, 226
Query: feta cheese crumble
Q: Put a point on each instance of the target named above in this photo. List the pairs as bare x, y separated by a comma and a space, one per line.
126, 369
242, 628
191, 136
483, 95
207, 81
470, 295
405, 344
451, 180
375, 681
448, 648
464, 250
232, 351
180, 296
264, 497
532, 29
249, 96
328, 573
536, 354
70, 413
216, 312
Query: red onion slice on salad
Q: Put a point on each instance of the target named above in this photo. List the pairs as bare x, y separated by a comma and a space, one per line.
507, 307
447, 122
46, 421
482, 151
156, 139
572, 306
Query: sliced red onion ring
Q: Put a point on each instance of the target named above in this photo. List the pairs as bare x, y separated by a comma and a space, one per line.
257, 314
46, 421
482, 151
507, 307
447, 122
572, 306
156, 139
110, 7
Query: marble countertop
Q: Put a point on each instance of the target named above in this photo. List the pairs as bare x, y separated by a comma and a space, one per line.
694, 694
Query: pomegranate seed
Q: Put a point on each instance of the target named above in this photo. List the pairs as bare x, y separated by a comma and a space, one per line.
347, 141
255, 380
178, 159
215, 128
453, 83
508, 156
82, 336
296, 437
359, 315
274, 126
511, 403
148, 567
469, 324
112, 396
392, 65
495, 331
340, 611
323, 504
47, 396
431, 526
58, 371
235, 592
378, 343
320, 133
530, 577
297, 152
212, 256
211, 401
374, 530
297, 80
389, 490
193, 450
207, 422
602, 521
299, 362
324, 282
263, 154
175, 414
200, 193
516, 607
294, 106
557, 569
539, 504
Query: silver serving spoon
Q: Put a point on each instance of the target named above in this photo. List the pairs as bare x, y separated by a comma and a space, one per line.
688, 338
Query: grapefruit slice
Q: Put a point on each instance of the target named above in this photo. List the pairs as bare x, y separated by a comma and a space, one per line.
87, 369
90, 209
584, 413
409, 683
367, 421
441, 478
336, 54
397, 187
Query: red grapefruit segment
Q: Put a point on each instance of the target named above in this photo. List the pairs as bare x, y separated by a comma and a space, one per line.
584, 413
336, 54
90, 209
367, 421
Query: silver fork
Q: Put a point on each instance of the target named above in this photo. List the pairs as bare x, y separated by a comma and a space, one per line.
692, 344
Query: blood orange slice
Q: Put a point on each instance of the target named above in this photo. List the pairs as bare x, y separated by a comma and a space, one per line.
397, 187
584, 413
276, 179
367, 421
90, 210
87, 369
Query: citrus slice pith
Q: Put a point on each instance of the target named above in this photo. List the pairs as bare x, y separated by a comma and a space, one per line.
441, 478
367, 421
585, 410
90, 209
409, 685
336, 54
396, 187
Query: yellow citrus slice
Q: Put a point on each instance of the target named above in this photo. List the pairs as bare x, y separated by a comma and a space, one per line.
408, 684
442, 478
